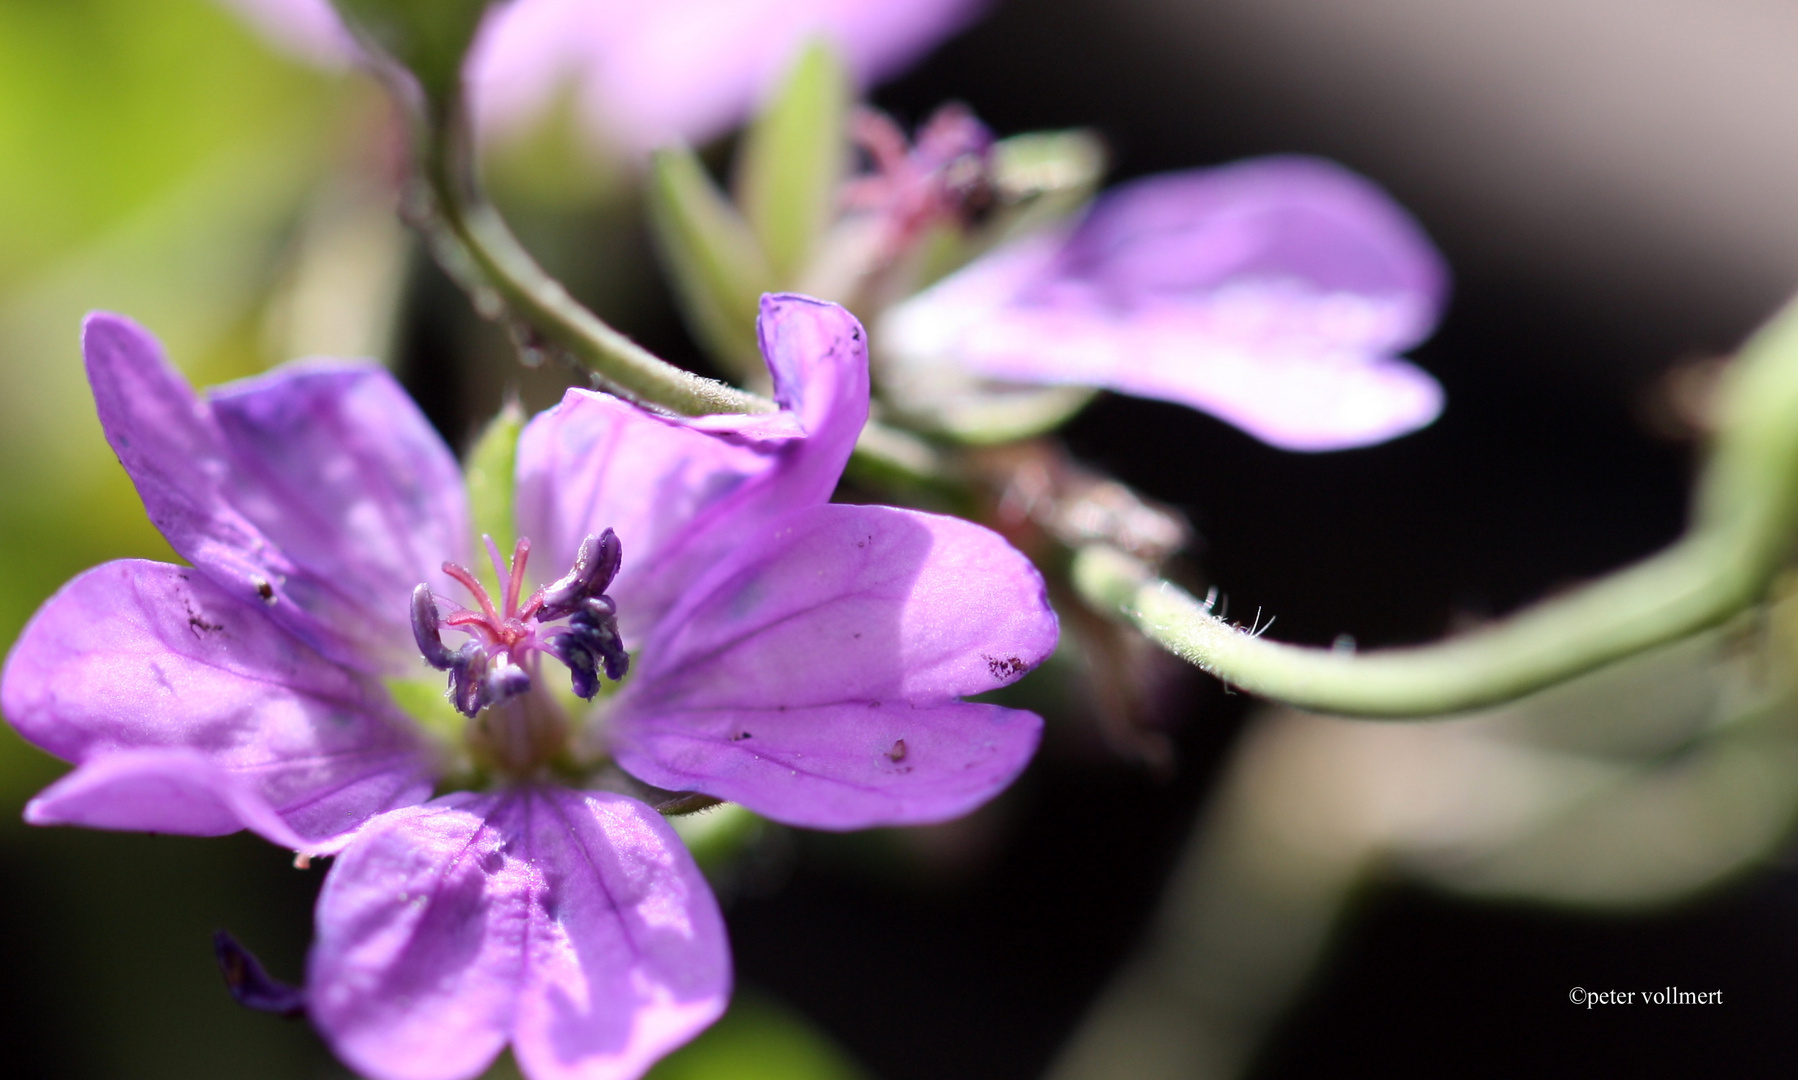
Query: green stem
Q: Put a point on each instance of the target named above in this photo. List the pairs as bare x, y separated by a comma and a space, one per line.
540, 301
1746, 509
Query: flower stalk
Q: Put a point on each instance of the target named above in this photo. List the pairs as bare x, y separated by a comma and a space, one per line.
1746, 510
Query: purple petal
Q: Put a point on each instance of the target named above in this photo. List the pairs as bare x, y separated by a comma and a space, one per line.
319, 491
309, 29
813, 675
680, 492
573, 924
1274, 293
337, 466
645, 74
187, 711
169, 791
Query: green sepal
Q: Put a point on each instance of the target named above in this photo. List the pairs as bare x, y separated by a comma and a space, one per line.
1059, 167
490, 474
429, 38
1039, 178
716, 833
717, 265
793, 160
425, 701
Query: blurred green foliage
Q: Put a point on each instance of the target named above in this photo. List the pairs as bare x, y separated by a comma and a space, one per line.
759, 1040
157, 159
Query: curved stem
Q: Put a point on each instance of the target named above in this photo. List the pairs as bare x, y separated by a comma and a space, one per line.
1746, 510
479, 237
540, 300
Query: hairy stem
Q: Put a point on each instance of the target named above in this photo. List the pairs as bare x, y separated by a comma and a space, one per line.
1743, 522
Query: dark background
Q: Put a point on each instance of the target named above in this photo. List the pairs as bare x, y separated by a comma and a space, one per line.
1541, 471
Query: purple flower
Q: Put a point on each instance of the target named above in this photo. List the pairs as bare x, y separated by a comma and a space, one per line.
1274, 293
802, 657
644, 73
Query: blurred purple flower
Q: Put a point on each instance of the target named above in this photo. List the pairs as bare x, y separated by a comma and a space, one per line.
802, 657
1275, 294
642, 74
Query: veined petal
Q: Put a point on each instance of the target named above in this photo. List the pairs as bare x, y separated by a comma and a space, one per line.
850, 765
813, 675
1274, 293
188, 711
320, 492
679, 492
339, 468
572, 924
175, 791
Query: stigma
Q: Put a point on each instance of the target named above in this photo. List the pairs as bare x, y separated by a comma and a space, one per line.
571, 620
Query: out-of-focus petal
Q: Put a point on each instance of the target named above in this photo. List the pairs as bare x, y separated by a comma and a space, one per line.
309, 29
573, 924
680, 492
1274, 293
645, 74
813, 675
188, 711
320, 492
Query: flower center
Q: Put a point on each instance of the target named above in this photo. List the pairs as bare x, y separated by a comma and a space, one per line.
571, 620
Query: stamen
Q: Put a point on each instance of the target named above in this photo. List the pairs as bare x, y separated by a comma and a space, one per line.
499, 564
473, 585
493, 667
596, 563
425, 632
520, 552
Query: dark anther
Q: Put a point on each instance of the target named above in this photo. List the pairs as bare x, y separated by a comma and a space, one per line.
595, 565
503, 679
487, 670
591, 640
425, 631
250, 985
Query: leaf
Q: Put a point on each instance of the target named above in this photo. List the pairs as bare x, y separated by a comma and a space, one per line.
1040, 178
716, 264
793, 160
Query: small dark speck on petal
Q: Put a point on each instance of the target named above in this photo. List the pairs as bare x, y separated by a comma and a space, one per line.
855, 335
897, 753
741, 735
198, 623
1003, 668
264, 590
